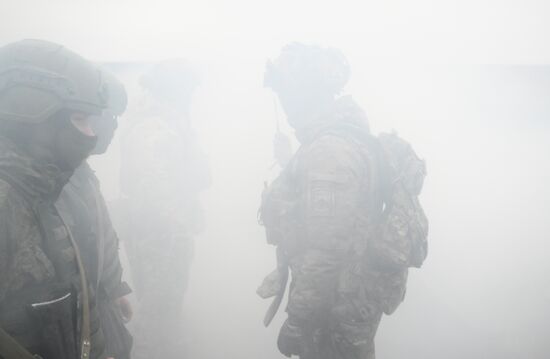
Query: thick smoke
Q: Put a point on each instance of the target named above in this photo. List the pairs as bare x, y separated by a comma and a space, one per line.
484, 291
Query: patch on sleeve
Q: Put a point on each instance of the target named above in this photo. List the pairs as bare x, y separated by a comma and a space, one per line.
321, 200
322, 193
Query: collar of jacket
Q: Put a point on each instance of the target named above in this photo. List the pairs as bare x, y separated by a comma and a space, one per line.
35, 179
83, 175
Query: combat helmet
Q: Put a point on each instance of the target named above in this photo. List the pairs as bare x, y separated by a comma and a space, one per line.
38, 78
172, 81
308, 67
118, 98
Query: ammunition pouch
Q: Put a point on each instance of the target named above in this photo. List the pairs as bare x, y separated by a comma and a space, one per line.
280, 217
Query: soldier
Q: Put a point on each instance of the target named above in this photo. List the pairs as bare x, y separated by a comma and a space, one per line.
49, 97
327, 214
85, 211
163, 172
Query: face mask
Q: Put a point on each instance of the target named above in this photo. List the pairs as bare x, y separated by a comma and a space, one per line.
104, 128
72, 146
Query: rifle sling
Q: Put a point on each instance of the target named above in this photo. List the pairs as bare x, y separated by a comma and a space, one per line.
11, 349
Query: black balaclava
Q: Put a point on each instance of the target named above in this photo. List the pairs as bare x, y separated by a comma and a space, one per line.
71, 146
55, 141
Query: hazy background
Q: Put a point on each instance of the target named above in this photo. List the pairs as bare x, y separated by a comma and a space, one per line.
466, 82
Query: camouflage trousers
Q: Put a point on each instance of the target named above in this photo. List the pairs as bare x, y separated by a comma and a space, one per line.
330, 316
160, 270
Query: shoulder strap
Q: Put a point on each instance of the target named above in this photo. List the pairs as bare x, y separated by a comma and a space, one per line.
372, 152
11, 349
85, 333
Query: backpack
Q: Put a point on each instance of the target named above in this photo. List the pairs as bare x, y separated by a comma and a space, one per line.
401, 239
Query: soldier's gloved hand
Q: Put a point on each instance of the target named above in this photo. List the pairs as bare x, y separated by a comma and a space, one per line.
282, 149
125, 308
290, 341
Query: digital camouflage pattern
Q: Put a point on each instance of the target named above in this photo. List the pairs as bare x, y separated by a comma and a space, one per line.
402, 241
324, 212
162, 174
36, 257
42, 86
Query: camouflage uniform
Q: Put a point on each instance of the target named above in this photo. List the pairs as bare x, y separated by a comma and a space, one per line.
344, 213
35, 256
162, 174
320, 211
48, 96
